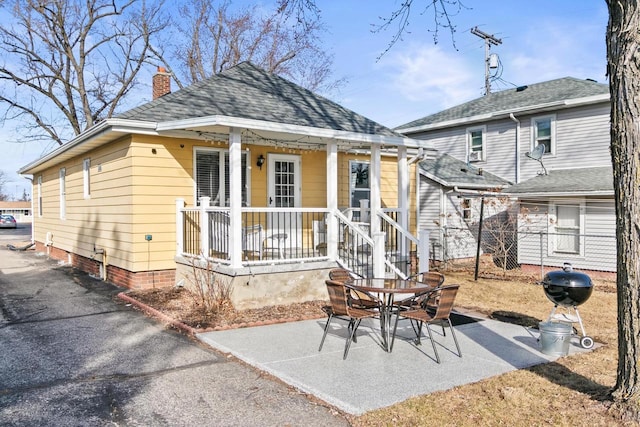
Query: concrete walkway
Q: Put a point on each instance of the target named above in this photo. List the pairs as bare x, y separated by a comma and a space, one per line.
371, 378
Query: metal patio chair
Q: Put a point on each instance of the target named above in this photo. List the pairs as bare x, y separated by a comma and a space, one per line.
424, 313
341, 309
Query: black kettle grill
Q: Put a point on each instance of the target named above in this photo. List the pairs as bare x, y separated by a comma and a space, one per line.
568, 288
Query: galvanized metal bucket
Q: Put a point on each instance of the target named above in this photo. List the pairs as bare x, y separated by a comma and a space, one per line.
555, 338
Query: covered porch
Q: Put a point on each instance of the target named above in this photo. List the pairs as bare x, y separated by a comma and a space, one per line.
294, 227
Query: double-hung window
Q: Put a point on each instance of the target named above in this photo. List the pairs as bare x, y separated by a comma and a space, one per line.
568, 228
212, 176
476, 149
543, 133
86, 177
63, 193
359, 183
40, 195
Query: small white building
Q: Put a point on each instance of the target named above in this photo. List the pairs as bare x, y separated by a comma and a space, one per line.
21, 211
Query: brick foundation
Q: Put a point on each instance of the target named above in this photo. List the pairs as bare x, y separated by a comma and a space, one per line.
116, 275
593, 274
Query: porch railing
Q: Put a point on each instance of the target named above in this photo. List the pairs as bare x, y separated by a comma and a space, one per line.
269, 235
285, 235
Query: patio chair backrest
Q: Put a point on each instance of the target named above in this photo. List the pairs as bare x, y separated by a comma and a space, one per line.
337, 297
340, 275
446, 298
431, 278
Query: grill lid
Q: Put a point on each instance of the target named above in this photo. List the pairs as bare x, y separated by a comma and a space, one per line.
567, 278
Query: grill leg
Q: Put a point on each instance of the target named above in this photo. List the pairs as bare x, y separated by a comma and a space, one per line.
584, 334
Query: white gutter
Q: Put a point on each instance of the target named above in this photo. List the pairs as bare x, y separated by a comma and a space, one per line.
560, 194
512, 117
531, 109
479, 193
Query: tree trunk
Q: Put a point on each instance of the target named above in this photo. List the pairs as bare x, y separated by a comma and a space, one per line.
623, 58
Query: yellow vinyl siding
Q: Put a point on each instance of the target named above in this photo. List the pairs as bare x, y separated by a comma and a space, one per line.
134, 192
102, 220
314, 179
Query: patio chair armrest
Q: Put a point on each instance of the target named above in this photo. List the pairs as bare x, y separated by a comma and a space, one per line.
362, 298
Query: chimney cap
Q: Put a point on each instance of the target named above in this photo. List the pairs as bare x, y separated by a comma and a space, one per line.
162, 70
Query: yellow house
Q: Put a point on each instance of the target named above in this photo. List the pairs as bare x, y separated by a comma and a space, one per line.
266, 182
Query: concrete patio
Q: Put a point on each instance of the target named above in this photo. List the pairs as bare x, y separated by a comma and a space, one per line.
371, 378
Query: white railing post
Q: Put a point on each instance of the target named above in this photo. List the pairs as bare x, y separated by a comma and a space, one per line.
378, 254
423, 251
364, 210
204, 226
179, 227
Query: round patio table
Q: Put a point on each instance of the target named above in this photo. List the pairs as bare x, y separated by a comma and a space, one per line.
387, 289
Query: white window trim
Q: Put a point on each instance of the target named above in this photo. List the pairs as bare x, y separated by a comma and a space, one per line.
552, 118
40, 196
483, 156
222, 151
86, 177
552, 229
62, 176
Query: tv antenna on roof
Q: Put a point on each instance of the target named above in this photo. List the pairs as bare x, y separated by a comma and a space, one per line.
537, 154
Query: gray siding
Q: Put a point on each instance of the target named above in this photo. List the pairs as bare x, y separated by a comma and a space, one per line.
598, 239
429, 209
582, 140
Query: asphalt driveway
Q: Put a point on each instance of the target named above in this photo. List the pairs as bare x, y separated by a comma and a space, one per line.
72, 355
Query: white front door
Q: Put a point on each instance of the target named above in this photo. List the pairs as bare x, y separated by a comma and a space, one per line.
284, 192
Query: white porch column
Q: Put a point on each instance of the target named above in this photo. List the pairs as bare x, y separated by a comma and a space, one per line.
376, 204
235, 198
332, 199
403, 196
204, 226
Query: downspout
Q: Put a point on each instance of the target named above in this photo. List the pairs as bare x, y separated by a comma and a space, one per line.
512, 117
102, 252
33, 231
417, 157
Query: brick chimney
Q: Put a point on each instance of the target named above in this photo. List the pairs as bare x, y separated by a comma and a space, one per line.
161, 83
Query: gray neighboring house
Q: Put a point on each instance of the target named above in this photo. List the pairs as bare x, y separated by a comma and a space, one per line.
572, 210
448, 204
571, 118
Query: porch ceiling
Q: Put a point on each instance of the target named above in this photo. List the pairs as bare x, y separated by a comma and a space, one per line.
284, 135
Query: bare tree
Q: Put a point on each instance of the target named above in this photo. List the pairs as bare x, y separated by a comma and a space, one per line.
623, 64
67, 64
3, 181
283, 41
25, 196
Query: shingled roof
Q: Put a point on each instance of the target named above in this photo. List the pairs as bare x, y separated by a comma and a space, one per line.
451, 172
517, 99
583, 181
248, 92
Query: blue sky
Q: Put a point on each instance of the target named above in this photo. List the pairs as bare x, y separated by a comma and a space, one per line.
541, 40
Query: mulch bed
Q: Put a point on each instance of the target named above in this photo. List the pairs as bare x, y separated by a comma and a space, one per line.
180, 305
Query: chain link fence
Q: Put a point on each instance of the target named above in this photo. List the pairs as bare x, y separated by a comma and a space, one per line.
509, 253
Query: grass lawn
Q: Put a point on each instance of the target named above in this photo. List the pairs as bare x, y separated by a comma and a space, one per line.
570, 392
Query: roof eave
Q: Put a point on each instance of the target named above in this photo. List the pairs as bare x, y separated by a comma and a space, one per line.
532, 109
108, 129
263, 125
467, 185
560, 194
